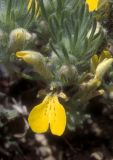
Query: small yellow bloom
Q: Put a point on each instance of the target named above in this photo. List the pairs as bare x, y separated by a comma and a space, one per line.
95, 60
18, 38
37, 8
93, 4
37, 60
29, 4
103, 67
101, 64
31, 57
49, 113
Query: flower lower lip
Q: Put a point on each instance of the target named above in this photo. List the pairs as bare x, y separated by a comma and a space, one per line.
20, 54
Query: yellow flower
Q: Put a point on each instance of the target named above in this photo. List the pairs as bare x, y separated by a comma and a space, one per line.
93, 4
31, 57
101, 64
49, 113
37, 60
37, 8
103, 67
96, 60
18, 38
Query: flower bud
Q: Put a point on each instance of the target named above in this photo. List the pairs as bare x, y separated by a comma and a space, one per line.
18, 38
103, 67
68, 72
37, 60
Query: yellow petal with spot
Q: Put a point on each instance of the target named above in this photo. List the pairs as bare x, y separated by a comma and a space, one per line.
93, 4
57, 117
38, 118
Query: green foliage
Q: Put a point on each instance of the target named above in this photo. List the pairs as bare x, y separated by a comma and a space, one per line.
69, 33
13, 14
73, 31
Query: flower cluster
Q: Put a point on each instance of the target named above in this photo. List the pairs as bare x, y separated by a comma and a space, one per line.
51, 113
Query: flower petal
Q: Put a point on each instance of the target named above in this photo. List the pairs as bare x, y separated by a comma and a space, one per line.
38, 61
57, 117
92, 4
29, 4
37, 8
103, 55
31, 57
38, 117
102, 68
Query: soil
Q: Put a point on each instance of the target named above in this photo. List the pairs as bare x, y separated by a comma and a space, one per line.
94, 141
